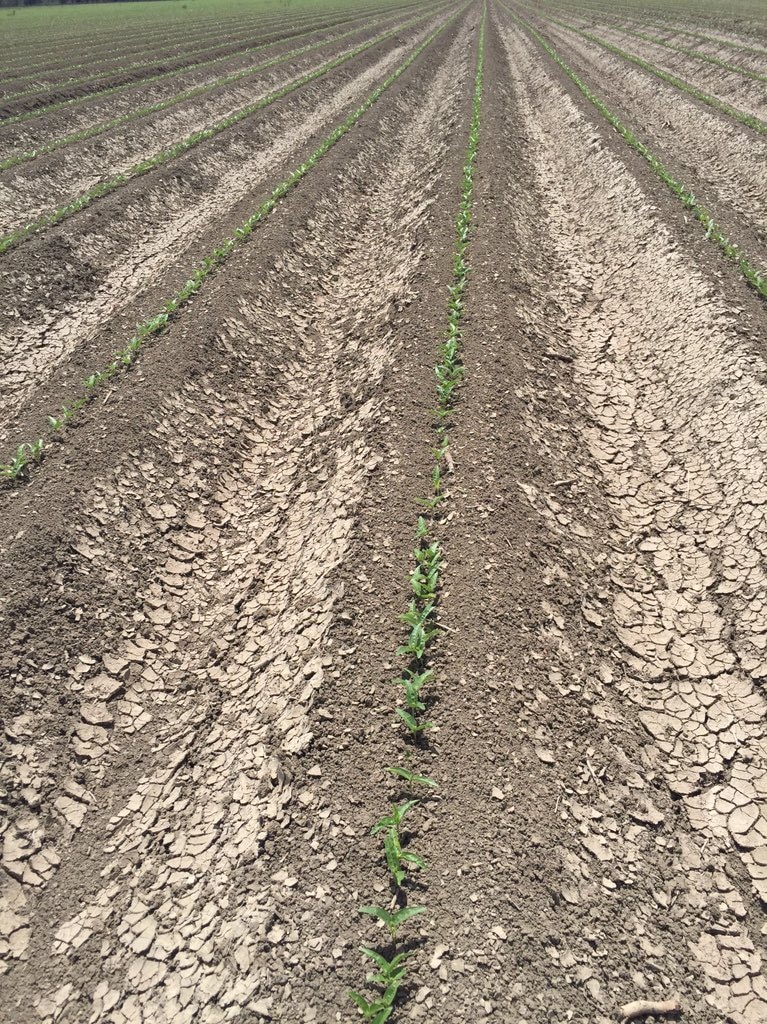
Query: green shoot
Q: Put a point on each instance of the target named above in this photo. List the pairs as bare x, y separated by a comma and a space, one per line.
407, 776
395, 819
414, 728
25, 454
389, 971
378, 1011
393, 921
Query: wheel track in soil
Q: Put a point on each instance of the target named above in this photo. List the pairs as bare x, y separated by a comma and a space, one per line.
667, 408
151, 227
252, 506
29, 194
717, 159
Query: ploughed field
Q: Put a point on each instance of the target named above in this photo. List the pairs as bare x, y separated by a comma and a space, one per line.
383, 513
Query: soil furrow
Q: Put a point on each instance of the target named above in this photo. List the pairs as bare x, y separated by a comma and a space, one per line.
137, 48
137, 112
130, 262
105, 38
32, 134
34, 106
717, 159
251, 507
28, 194
670, 386
745, 96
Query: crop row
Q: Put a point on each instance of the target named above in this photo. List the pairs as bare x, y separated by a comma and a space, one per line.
755, 277
198, 90
697, 54
274, 39
30, 452
34, 43
164, 156
168, 48
421, 620
678, 83
228, 43
667, 27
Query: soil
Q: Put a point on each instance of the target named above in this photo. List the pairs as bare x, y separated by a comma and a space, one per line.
202, 579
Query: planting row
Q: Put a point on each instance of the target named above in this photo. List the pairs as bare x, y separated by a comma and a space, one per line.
111, 183
421, 618
29, 452
162, 47
683, 85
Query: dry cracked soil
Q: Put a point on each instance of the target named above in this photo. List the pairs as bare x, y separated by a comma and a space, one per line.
201, 581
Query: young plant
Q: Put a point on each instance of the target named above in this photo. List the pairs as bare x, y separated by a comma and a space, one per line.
415, 728
389, 971
420, 630
25, 454
393, 921
395, 819
412, 682
397, 858
407, 776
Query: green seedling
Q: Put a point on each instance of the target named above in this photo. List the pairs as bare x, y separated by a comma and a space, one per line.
389, 971
415, 728
397, 858
377, 1011
433, 502
395, 819
25, 454
407, 776
420, 632
390, 975
393, 921
421, 529
412, 683
56, 422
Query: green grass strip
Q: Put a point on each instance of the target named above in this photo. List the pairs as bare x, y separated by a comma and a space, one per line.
274, 40
117, 181
425, 580
198, 90
757, 279
28, 453
739, 115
